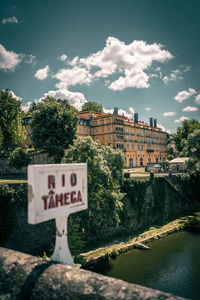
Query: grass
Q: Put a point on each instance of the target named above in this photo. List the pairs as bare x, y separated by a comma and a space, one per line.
10, 181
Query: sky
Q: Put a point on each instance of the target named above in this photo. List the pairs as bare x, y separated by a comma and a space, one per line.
138, 55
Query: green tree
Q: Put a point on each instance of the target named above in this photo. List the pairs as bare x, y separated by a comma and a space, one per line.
105, 166
183, 131
1, 137
192, 150
170, 152
19, 158
54, 127
92, 106
32, 107
12, 132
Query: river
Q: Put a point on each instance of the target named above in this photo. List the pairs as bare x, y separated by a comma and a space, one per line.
172, 265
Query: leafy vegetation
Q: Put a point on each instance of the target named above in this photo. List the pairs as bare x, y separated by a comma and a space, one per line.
105, 166
92, 106
53, 127
12, 133
19, 158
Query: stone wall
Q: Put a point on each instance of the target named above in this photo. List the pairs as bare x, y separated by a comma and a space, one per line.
27, 277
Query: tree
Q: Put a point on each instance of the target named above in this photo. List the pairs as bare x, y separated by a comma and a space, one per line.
92, 106
170, 152
192, 150
53, 127
183, 131
105, 167
32, 107
12, 132
19, 159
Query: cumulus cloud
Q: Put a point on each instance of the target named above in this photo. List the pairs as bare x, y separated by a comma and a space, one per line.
9, 59
9, 20
181, 119
63, 57
176, 74
169, 114
74, 98
120, 112
183, 95
169, 131
197, 99
70, 77
190, 108
161, 127
129, 62
26, 107
148, 108
14, 96
132, 110
41, 74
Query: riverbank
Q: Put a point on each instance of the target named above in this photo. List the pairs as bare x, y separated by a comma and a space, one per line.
104, 253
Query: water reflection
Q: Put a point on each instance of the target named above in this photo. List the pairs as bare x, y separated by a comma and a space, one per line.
173, 265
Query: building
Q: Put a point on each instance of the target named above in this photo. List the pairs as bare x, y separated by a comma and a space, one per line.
141, 143
178, 164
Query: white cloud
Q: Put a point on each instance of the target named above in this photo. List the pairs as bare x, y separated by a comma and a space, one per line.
176, 74
14, 96
183, 95
190, 108
26, 107
69, 77
148, 108
9, 59
74, 98
169, 114
63, 57
41, 74
132, 110
74, 61
161, 127
169, 131
131, 60
181, 119
120, 112
10, 20
197, 99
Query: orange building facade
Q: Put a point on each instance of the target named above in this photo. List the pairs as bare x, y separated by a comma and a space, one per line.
141, 143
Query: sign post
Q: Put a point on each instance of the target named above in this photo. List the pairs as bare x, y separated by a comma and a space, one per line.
54, 192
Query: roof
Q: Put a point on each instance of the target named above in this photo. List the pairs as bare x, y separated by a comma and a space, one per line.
178, 160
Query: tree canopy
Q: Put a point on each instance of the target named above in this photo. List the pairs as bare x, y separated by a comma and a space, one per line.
183, 131
54, 127
19, 158
105, 166
92, 106
12, 133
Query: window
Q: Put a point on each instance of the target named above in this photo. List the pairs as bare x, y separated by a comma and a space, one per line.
132, 146
141, 161
108, 121
102, 138
108, 137
127, 146
102, 129
108, 128
79, 129
101, 122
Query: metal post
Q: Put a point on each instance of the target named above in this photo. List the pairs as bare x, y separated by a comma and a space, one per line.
61, 252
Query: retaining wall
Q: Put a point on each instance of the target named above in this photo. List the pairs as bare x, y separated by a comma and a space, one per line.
24, 276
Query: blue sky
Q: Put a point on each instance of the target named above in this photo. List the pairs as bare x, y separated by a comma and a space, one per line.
139, 55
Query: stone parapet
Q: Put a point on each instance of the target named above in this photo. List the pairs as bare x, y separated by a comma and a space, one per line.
24, 276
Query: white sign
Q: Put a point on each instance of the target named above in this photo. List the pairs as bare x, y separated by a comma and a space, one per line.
54, 192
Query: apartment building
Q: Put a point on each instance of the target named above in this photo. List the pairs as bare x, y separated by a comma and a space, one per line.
141, 143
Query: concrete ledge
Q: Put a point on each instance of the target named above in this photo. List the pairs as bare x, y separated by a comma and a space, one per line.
24, 276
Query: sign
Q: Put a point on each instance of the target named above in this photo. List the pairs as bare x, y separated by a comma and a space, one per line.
54, 192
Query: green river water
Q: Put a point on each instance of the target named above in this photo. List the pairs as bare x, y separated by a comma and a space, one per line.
172, 265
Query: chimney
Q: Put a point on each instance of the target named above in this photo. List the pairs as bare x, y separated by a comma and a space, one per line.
135, 117
151, 122
155, 122
115, 112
